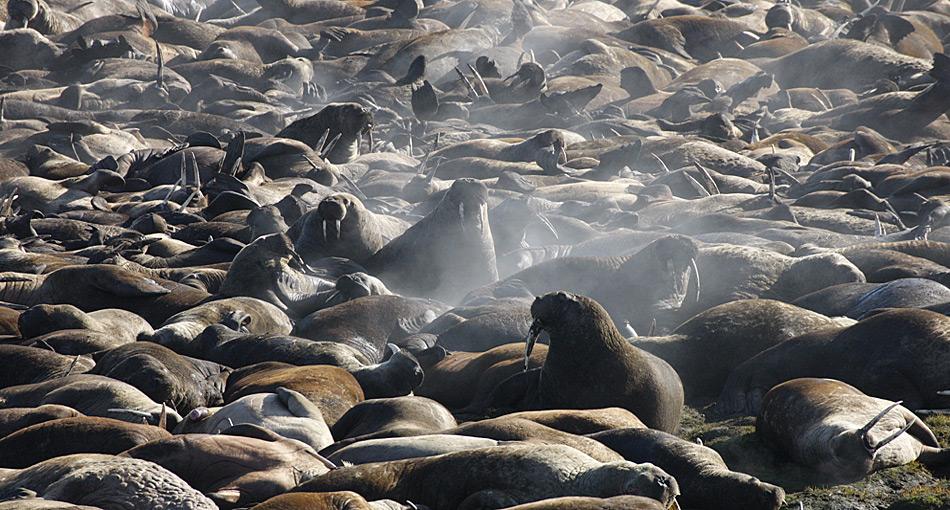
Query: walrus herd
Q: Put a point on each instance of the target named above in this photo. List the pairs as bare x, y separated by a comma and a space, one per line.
474, 254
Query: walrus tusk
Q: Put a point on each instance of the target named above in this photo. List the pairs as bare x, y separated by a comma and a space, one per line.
135, 412
630, 331
711, 185
337, 223
944, 393
533, 333
323, 224
547, 223
163, 418
700, 189
478, 77
863, 431
878, 226
890, 438
694, 269
329, 148
666, 169
322, 141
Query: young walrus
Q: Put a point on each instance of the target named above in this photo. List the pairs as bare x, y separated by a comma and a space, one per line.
591, 365
842, 433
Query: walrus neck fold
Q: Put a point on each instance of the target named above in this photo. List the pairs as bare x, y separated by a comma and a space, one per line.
20, 291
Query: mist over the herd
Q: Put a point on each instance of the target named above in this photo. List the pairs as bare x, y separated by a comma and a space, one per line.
474, 254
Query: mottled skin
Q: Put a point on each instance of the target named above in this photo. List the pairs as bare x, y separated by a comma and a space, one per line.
703, 476
896, 354
497, 477
83, 434
105, 481
818, 423
590, 365
233, 469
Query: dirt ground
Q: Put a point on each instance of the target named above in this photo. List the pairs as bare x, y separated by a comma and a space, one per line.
910, 487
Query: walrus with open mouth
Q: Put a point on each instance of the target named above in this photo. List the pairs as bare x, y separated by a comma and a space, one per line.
591, 365
842, 433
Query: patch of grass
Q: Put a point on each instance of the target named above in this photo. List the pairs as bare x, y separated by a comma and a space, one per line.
934, 496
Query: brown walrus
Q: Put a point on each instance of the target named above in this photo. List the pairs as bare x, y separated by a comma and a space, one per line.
497, 477
591, 365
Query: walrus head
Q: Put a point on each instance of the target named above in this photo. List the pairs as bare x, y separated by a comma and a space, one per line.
337, 128
359, 284
20, 12
569, 316
628, 478
658, 276
854, 450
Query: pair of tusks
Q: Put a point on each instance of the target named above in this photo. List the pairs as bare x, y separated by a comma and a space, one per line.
863, 431
182, 180
336, 223
326, 148
694, 270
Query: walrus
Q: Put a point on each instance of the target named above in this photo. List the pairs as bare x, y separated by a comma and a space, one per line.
388, 449
706, 348
590, 365
338, 500
842, 433
341, 226
101, 480
702, 475
41, 319
465, 380
389, 417
447, 253
892, 354
588, 503
95, 287
32, 365
369, 323
92, 395
82, 434
497, 477
15, 418
344, 122
506, 428
332, 389
654, 281
165, 376
257, 316
240, 466
284, 412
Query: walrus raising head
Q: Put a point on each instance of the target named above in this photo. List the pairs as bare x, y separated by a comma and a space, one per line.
337, 127
590, 365
340, 227
661, 274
